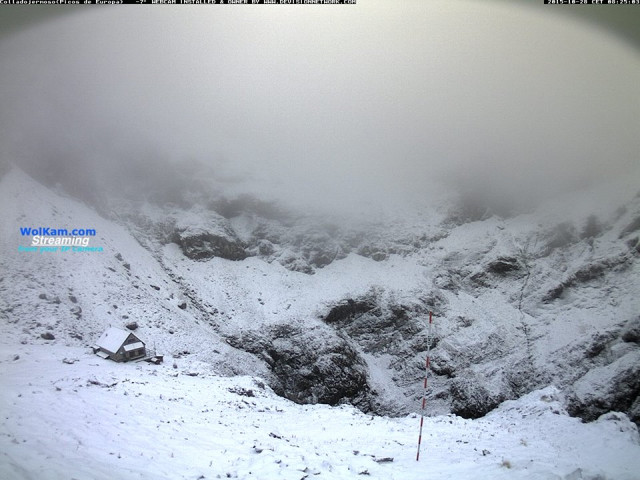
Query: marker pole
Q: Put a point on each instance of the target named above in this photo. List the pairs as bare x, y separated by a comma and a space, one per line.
424, 391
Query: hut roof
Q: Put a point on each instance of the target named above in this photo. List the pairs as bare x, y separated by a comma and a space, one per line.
112, 339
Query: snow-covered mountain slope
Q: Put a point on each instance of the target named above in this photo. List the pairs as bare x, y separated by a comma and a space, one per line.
69, 414
75, 295
319, 311
335, 311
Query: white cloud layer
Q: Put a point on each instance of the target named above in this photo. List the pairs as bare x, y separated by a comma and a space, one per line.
341, 102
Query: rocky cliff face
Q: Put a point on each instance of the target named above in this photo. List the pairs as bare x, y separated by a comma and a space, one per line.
334, 311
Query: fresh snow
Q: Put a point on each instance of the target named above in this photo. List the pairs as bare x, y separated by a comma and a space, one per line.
67, 414
112, 339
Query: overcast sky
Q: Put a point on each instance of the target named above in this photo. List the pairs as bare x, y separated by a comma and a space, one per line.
376, 98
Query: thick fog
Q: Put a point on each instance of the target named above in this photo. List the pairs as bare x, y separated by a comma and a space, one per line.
378, 100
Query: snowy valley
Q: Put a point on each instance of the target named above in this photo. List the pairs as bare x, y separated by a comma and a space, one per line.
270, 203
295, 345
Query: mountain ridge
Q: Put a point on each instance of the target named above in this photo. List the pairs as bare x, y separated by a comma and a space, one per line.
335, 313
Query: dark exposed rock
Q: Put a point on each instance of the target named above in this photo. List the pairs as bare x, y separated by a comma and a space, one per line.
504, 265
470, 398
441, 366
634, 411
349, 309
378, 329
479, 279
383, 459
554, 293
321, 258
132, 325
589, 272
384, 330
599, 268
520, 379
449, 280
612, 387
631, 331
375, 253
297, 264
265, 248
48, 336
182, 305
435, 301
304, 246
317, 367
205, 245
243, 392
598, 344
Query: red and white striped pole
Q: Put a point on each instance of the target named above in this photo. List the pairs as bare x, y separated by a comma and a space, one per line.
424, 391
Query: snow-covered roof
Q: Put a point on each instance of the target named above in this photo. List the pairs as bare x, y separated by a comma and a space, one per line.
133, 346
112, 339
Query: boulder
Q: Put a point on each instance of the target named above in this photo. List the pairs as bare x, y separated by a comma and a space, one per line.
612, 387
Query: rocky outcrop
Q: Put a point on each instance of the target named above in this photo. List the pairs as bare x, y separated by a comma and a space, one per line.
203, 234
594, 270
348, 309
631, 331
307, 244
613, 387
470, 397
314, 366
504, 265
515, 299
202, 245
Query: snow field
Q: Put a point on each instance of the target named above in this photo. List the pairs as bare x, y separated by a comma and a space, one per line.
93, 419
86, 418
